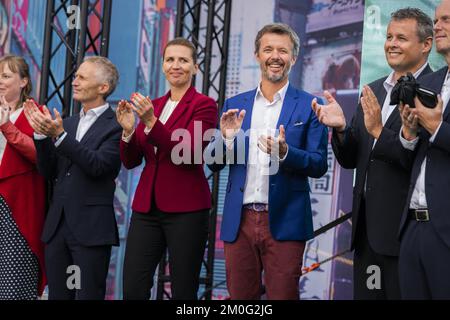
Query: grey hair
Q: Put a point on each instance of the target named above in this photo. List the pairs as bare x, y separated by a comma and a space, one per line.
108, 72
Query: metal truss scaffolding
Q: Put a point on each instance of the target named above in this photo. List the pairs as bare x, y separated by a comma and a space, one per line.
207, 24
73, 28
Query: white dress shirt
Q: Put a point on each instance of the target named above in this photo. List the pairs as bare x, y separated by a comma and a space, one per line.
418, 198
167, 111
264, 120
87, 119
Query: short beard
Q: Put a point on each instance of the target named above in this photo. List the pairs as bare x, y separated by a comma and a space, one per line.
277, 78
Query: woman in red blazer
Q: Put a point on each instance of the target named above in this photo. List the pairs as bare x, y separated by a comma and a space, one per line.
172, 199
22, 190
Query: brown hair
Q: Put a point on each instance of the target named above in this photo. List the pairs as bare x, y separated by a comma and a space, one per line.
280, 29
18, 65
424, 22
182, 42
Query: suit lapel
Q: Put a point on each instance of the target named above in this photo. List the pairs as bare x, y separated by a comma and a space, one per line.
71, 125
98, 125
393, 117
247, 104
161, 104
289, 105
441, 79
446, 114
180, 109
380, 94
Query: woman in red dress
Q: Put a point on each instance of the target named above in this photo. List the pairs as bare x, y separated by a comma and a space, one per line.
22, 189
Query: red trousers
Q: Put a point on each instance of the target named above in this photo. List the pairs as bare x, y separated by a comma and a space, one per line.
254, 251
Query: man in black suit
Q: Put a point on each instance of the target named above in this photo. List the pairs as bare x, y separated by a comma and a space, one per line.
424, 260
371, 144
80, 155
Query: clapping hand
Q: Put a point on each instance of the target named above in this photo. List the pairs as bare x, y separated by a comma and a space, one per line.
143, 107
330, 114
372, 112
125, 117
269, 144
231, 123
4, 110
42, 122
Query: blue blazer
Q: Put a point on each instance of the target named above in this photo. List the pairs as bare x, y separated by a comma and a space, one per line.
289, 202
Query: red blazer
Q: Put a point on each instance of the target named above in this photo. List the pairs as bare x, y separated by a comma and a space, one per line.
175, 187
24, 190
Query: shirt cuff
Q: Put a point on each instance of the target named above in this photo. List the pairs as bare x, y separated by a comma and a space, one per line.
60, 140
435, 133
410, 145
229, 143
38, 136
147, 130
127, 139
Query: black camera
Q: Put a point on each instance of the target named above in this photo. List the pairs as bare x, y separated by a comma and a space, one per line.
407, 88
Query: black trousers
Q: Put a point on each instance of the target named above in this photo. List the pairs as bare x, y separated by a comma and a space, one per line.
424, 263
64, 251
183, 234
365, 256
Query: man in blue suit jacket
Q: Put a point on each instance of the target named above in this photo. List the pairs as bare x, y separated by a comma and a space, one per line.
425, 225
267, 214
80, 155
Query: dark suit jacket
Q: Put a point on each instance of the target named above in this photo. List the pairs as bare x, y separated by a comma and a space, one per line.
437, 173
387, 167
83, 175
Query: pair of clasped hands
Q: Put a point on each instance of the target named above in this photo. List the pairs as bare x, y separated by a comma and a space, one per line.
43, 123
142, 106
231, 123
331, 115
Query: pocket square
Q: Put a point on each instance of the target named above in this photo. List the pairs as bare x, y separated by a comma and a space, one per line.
298, 124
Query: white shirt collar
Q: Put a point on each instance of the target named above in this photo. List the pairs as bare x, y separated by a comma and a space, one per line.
390, 83
279, 95
97, 110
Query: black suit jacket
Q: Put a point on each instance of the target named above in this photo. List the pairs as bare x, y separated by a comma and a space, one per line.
437, 172
387, 170
83, 175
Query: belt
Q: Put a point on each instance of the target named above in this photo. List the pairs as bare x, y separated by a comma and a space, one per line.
419, 214
259, 207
